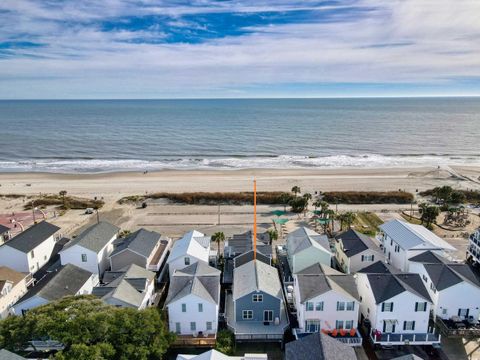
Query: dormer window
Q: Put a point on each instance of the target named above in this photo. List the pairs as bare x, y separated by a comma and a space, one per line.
187, 260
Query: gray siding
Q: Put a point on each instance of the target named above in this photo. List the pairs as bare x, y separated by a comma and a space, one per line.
246, 303
126, 258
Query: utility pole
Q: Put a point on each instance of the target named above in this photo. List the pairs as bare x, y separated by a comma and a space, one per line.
98, 216
218, 214
33, 211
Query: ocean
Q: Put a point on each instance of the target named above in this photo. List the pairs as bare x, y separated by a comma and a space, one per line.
137, 135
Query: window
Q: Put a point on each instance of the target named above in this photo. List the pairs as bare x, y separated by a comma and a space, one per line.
312, 326
444, 311
257, 297
350, 305
84, 257
420, 306
193, 326
409, 325
340, 306
424, 278
348, 324
200, 307
45, 257
268, 316
319, 306
187, 260
184, 307
463, 312
339, 324
433, 287
247, 314
397, 248
32, 254
178, 329
209, 325
368, 257
309, 306
387, 306
391, 242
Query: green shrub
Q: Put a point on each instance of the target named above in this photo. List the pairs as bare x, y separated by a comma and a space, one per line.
225, 342
368, 197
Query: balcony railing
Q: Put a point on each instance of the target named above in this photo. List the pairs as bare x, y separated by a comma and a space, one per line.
404, 338
452, 329
195, 341
355, 340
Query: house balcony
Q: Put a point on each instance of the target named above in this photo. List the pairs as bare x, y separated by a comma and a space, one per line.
29, 279
197, 340
159, 257
389, 339
351, 338
455, 327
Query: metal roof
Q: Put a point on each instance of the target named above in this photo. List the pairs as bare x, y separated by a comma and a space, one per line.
7, 355
193, 243
411, 236
95, 237
30, 238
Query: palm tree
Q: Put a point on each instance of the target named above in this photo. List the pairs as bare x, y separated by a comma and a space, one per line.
63, 193
307, 197
296, 190
217, 237
317, 203
272, 234
285, 199
346, 218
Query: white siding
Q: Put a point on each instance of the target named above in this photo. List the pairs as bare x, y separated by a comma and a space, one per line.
179, 263
14, 259
73, 255
175, 314
7, 300
308, 257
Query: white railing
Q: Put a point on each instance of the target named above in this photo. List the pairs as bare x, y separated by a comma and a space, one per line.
398, 339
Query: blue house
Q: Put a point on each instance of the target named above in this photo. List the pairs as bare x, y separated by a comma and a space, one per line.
255, 308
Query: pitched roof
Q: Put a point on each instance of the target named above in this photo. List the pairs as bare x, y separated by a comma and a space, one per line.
410, 236
318, 346
256, 276
241, 243
30, 238
7, 355
354, 242
378, 267
198, 279
319, 279
3, 229
248, 256
126, 285
95, 237
142, 242
428, 257
387, 285
8, 274
57, 284
303, 238
193, 243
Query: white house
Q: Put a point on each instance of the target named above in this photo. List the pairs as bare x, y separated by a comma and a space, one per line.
31, 249
327, 299
132, 287
13, 285
305, 247
68, 280
193, 300
402, 240
192, 247
217, 355
453, 287
473, 250
90, 250
396, 305
354, 251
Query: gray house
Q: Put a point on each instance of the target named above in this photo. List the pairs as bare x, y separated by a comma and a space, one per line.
143, 248
255, 309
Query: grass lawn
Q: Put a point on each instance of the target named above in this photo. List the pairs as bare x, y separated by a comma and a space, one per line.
367, 223
411, 220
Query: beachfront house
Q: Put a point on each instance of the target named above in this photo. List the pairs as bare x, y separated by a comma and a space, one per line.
31, 249
354, 251
395, 306
91, 249
13, 285
143, 248
131, 287
67, 281
193, 301
473, 249
305, 248
327, 300
402, 240
4, 234
191, 248
255, 308
217, 355
318, 346
453, 287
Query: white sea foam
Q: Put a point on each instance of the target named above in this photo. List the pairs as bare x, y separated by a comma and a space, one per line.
222, 163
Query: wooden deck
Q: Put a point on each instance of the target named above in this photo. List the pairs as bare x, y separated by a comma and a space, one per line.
199, 341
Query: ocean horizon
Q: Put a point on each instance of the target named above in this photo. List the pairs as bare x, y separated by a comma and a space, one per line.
91, 136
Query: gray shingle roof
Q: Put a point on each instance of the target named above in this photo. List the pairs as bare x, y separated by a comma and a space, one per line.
248, 256
354, 242
198, 279
3, 229
95, 237
428, 257
66, 281
29, 239
253, 276
387, 285
318, 346
319, 279
142, 242
378, 267
304, 238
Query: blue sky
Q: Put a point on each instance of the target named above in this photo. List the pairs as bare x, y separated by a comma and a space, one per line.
202, 49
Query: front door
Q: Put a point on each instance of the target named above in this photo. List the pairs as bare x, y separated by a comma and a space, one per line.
268, 316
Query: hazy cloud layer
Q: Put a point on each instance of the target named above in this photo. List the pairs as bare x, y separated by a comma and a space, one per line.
152, 48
